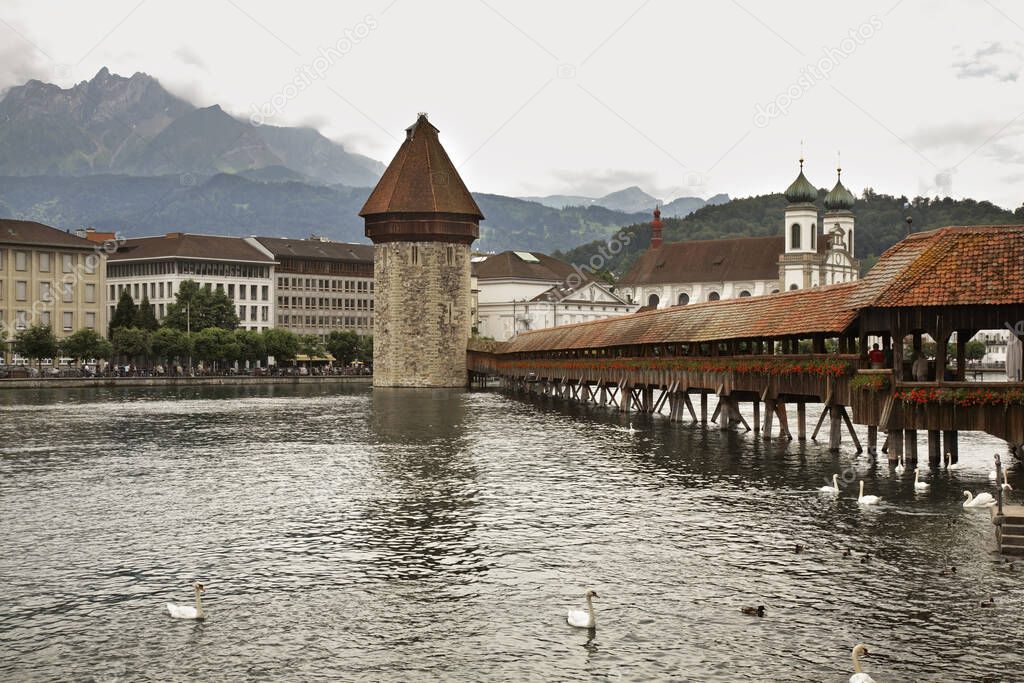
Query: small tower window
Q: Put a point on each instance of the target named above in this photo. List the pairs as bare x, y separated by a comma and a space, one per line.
653, 300
793, 286
814, 239
414, 257
744, 293
794, 236
684, 299
450, 255
714, 296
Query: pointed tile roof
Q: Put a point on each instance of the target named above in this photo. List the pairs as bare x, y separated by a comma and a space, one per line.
421, 179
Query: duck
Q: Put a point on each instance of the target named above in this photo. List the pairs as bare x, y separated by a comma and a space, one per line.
848, 552
583, 618
949, 571
834, 488
900, 467
187, 611
919, 485
991, 603
867, 500
858, 674
981, 500
866, 559
950, 465
630, 429
798, 549
753, 611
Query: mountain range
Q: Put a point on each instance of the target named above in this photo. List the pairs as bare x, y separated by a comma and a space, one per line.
632, 200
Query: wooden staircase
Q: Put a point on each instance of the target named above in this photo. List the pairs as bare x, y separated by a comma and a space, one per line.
1010, 534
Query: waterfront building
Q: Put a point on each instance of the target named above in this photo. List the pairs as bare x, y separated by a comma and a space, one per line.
810, 251
155, 267
422, 221
322, 286
48, 277
519, 291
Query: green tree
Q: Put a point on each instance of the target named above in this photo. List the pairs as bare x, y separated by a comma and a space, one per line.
36, 342
251, 345
974, 350
133, 343
198, 307
365, 349
169, 344
215, 344
311, 345
124, 314
344, 346
145, 319
283, 345
85, 344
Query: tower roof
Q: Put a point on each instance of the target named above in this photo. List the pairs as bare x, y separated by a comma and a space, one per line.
421, 179
839, 199
801, 190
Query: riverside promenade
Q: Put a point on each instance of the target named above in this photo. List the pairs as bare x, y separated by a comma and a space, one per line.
219, 380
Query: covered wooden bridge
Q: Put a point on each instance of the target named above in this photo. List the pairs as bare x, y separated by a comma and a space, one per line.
806, 346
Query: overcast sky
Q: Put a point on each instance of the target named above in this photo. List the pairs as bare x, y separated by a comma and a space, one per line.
919, 96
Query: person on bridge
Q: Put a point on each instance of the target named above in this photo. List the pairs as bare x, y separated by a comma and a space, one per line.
876, 357
920, 367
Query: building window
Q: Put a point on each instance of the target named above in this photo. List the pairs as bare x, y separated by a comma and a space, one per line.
794, 236
653, 300
450, 255
44, 318
21, 290
265, 293
684, 299
90, 294
20, 260
415, 258
793, 287
69, 292
814, 239
744, 293
3, 254
241, 312
252, 293
44, 292
90, 321
20, 320
44, 262
714, 296
68, 262
69, 319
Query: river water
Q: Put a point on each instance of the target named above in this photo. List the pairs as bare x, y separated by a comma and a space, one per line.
350, 534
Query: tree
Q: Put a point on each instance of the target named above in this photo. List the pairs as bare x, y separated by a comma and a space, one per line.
311, 345
214, 344
283, 345
86, 344
36, 342
250, 344
198, 307
124, 314
344, 346
974, 350
145, 319
169, 344
365, 353
133, 343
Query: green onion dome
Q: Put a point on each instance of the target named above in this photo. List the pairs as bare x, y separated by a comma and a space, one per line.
801, 190
839, 199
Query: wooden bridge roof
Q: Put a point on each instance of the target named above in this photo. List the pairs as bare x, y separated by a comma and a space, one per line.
808, 311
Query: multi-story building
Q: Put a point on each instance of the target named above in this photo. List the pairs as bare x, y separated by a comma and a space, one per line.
518, 291
48, 277
322, 286
155, 267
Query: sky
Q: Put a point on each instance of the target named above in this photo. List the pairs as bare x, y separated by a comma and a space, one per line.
914, 97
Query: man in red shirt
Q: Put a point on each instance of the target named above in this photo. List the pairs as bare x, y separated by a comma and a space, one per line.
876, 357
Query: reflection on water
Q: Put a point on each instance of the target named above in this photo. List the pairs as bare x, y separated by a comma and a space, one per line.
350, 534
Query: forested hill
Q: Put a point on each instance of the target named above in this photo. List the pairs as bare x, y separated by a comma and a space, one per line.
881, 222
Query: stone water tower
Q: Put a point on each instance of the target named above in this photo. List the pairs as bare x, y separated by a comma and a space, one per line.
422, 221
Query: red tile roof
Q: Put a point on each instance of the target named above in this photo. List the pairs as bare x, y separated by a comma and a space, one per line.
508, 265
421, 179
732, 259
36, 234
186, 245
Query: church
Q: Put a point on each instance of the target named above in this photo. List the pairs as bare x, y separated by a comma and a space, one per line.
811, 250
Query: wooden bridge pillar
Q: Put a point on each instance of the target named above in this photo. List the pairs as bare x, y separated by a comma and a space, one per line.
895, 439
757, 415
649, 399
625, 397
603, 396
780, 412
934, 448
769, 416
910, 447
872, 439
950, 445
801, 421
703, 407
835, 429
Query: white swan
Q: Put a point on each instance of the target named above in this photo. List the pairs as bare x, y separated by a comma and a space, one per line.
583, 618
900, 468
950, 465
858, 674
631, 430
918, 484
1006, 482
981, 500
187, 611
831, 489
867, 500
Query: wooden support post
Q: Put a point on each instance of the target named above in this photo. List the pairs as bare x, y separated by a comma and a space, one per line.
689, 406
950, 445
769, 415
801, 420
835, 429
934, 449
757, 416
703, 408
724, 412
849, 426
872, 439
739, 415
718, 410
910, 447
625, 397
649, 399
603, 396
885, 444
780, 412
821, 419
895, 439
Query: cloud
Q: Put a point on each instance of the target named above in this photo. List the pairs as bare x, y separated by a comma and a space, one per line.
20, 62
599, 182
994, 60
190, 57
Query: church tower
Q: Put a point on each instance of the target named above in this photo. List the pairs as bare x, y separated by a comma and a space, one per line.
422, 221
797, 266
840, 265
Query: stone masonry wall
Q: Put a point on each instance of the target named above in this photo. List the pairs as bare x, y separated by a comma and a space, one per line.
421, 316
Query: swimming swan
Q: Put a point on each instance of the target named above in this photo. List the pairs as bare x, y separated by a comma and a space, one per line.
186, 611
583, 618
900, 468
950, 465
919, 485
858, 674
981, 500
867, 500
834, 488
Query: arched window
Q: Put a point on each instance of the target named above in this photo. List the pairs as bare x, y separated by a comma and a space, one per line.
814, 239
684, 299
792, 287
775, 291
849, 240
653, 300
714, 296
794, 236
744, 293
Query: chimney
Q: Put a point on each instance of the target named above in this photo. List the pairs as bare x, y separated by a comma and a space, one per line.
656, 229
